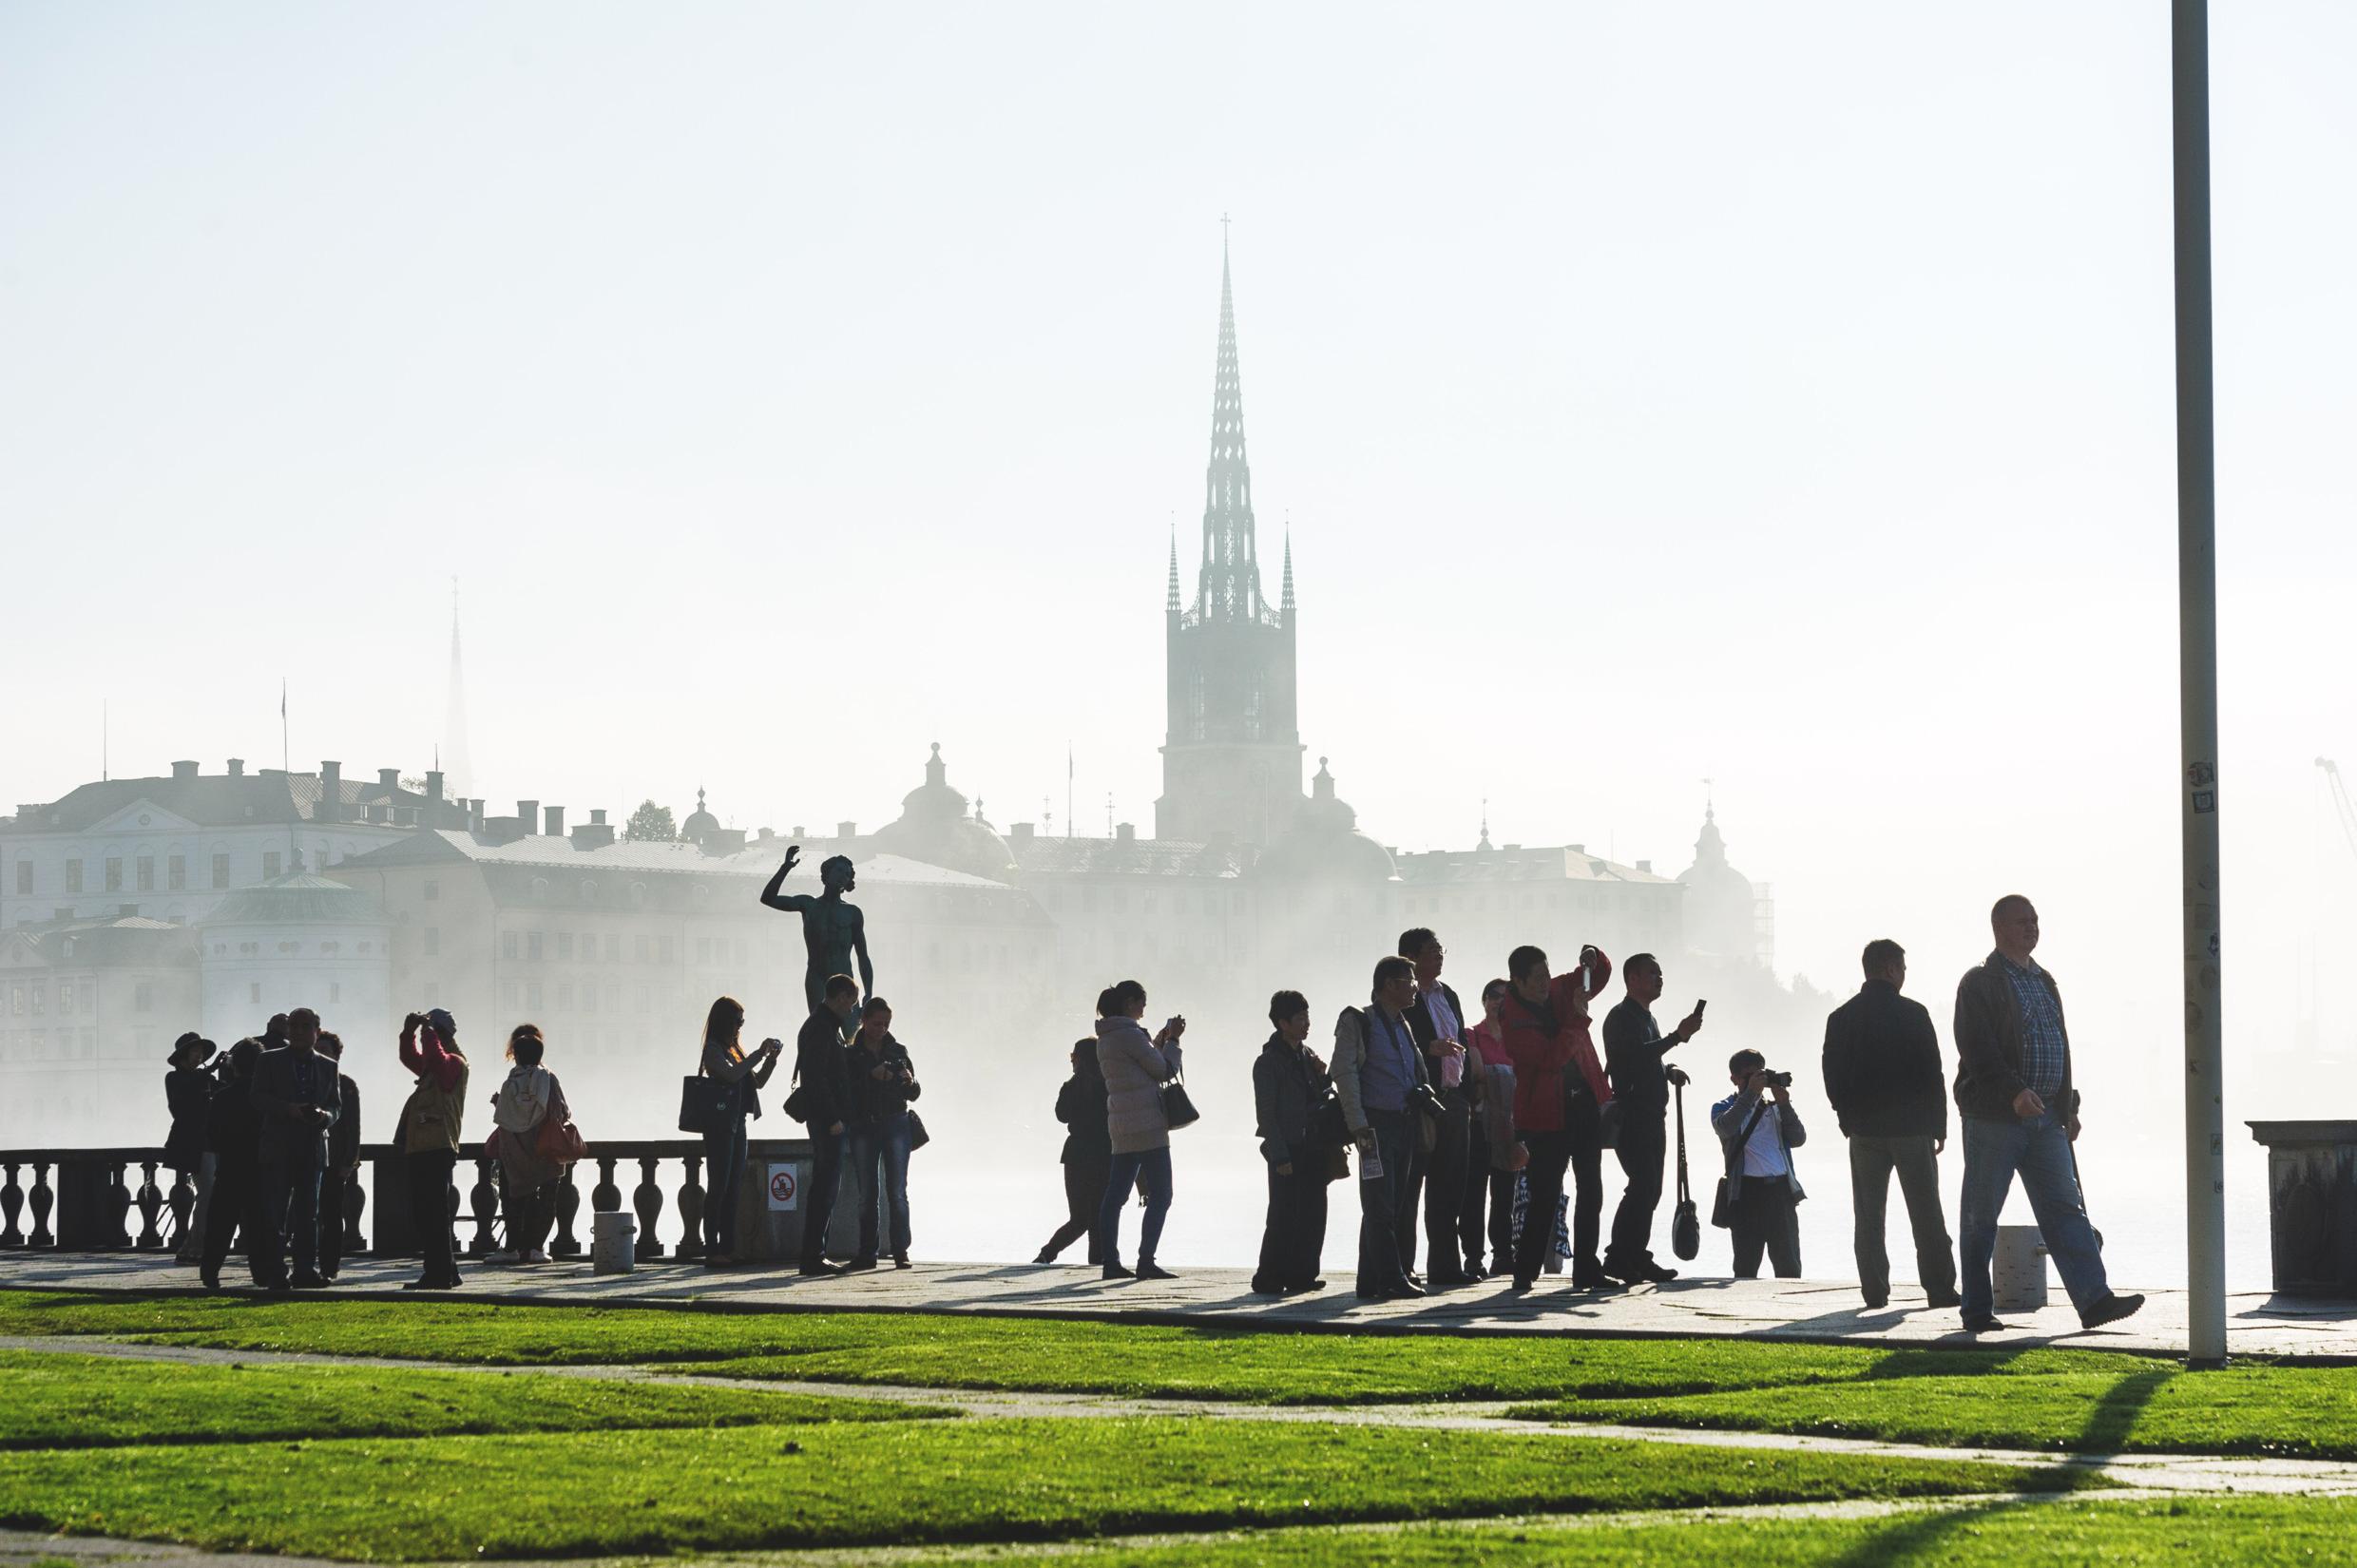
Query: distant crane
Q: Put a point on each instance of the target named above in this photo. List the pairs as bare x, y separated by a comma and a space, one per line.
2341, 806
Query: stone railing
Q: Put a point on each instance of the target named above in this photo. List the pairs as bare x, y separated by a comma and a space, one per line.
101, 1200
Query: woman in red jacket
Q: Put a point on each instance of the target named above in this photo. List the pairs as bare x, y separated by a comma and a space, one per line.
1560, 1094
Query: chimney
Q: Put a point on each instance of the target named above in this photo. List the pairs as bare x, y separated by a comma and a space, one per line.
434, 794
184, 770
596, 817
237, 766
1020, 832
332, 792
556, 822
764, 835
474, 816
798, 833
846, 829
594, 835
388, 779
1126, 833
528, 810
1645, 865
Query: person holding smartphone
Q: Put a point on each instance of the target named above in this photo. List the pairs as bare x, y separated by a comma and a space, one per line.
1135, 1065
1635, 1053
745, 1074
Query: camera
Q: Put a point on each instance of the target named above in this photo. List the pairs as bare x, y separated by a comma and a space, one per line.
1777, 1080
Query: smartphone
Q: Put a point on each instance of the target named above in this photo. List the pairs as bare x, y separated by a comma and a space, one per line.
1170, 1023
1698, 1006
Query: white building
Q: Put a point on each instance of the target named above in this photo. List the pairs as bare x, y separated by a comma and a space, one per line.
302, 941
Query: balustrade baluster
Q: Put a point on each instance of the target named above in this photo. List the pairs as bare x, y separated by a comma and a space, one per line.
647, 1200
691, 1245
355, 1204
568, 1204
118, 1205
12, 1204
151, 1203
605, 1198
486, 1199
182, 1204
43, 1201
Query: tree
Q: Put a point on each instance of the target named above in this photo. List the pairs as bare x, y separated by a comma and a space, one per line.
651, 821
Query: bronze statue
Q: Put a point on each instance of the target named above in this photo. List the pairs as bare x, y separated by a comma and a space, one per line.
833, 930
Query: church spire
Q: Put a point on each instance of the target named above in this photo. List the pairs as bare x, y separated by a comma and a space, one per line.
1229, 587
1286, 603
1170, 600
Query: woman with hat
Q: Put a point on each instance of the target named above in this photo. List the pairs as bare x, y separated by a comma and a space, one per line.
188, 1092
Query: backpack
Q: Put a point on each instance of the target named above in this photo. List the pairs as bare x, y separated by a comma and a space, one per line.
523, 1101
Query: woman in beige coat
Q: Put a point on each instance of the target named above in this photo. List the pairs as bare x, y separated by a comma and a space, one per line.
1136, 1066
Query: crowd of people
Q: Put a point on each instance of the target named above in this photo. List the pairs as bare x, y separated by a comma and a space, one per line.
1482, 1134
1488, 1134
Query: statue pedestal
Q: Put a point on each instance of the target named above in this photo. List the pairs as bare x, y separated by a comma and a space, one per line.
2311, 1206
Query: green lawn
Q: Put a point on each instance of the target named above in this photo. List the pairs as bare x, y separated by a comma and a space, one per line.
846, 1483
1023, 1353
2240, 1533
2308, 1412
67, 1400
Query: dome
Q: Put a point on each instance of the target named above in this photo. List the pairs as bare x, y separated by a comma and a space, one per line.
1324, 841
700, 821
1721, 906
934, 825
297, 900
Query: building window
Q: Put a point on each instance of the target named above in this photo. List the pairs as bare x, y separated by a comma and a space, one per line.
532, 946
565, 999
564, 946
65, 997
89, 996
24, 878
220, 870
589, 999
147, 873
73, 876
114, 873
143, 998
270, 864
176, 872
531, 996
432, 889
432, 946
507, 944
40, 999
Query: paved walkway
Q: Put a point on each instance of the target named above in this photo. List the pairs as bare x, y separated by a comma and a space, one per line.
1794, 1310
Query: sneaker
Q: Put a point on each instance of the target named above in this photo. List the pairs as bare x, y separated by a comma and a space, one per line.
1148, 1268
536, 1255
2111, 1310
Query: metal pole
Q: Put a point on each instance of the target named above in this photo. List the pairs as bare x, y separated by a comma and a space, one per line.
2198, 689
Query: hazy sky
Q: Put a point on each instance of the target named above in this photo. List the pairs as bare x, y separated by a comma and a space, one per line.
1776, 394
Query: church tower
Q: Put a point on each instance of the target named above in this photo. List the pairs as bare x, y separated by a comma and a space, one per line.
1232, 753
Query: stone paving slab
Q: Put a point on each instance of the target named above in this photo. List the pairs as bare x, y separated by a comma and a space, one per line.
1794, 1310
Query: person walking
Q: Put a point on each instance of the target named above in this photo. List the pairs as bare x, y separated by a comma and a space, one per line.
1758, 1130
1499, 1153
827, 1111
1290, 1088
1088, 1153
2021, 1115
527, 1103
338, 1182
722, 1057
1884, 1079
1136, 1066
432, 1122
1560, 1093
1635, 1049
295, 1100
188, 1095
1436, 1019
1380, 1078
883, 1085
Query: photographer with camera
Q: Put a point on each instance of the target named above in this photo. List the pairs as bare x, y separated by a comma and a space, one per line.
1759, 1130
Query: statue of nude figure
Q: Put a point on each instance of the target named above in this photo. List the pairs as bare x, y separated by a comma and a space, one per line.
832, 931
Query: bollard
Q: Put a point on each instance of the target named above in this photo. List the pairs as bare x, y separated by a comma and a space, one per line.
2017, 1274
613, 1244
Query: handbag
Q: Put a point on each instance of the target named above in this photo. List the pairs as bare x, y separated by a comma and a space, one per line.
1722, 1204
702, 1103
560, 1143
918, 1137
1178, 1108
1685, 1228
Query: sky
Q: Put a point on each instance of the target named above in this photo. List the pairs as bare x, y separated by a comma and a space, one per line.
1780, 397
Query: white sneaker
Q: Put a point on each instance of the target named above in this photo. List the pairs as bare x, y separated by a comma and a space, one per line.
536, 1255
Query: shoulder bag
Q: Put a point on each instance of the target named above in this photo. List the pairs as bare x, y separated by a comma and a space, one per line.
704, 1103
1178, 1107
1685, 1229
1722, 1205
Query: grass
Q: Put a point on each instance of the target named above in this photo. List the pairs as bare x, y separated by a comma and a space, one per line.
69, 1401
2307, 1412
2238, 1532
847, 1483
1015, 1353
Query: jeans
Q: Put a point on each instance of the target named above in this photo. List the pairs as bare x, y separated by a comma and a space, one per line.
237, 1206
1443, 1189
1294, 1235
1643, 1146
818, 1203
292, 1193
880, 1154
1083, 1194
335, 1186
1871, 1160
1765, 1218
428, 1176
1150, 1167
2040, 1150
1550, 1155
1383, 1198
725, 1179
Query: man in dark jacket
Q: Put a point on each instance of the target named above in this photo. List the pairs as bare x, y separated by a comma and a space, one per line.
1882, 1078
2013, 1086
1289, 1083
827, 1111
341, 1177
1634, 1052
882, 1082
295, 1100
1437, 1022
233, 1135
